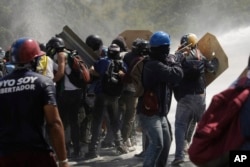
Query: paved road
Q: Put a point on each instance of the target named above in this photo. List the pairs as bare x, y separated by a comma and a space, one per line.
108, 157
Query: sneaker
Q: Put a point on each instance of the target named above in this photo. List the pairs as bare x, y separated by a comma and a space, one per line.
76, 154
133, 141
131, 149
122, 149
91, 155
107, 145
128, 143
186, 146
140, 155
177, 161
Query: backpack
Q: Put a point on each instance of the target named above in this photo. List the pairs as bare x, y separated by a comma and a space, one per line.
112, 84
136, 74
150, 103
219, 129
79, 75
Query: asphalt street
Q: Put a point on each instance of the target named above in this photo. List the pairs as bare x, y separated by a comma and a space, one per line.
109, 157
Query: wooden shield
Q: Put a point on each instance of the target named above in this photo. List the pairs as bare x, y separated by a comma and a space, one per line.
210, 47
131, 35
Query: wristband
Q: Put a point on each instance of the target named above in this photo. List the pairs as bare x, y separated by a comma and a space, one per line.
63, 161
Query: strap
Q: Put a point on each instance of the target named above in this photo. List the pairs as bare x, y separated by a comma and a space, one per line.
46, 64
198, 53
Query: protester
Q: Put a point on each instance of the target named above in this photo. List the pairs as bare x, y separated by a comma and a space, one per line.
111, 70
109, 138
68, 95
44, 64
190, 93
28, 102
9, 66
128, 100
154, 121
95, 43
3, 68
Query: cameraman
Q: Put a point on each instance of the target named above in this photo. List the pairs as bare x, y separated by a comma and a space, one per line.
111, 71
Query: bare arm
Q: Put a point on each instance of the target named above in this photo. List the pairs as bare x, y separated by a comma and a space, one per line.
56, 133
61, 66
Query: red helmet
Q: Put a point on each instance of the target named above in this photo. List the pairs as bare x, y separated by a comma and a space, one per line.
24, 50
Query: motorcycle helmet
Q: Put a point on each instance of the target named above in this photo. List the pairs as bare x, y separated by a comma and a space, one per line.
114, 52
55, 44
94, 42
140, 47
189, 39
24, 50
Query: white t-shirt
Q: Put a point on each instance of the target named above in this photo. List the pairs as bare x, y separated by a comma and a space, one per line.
67, 84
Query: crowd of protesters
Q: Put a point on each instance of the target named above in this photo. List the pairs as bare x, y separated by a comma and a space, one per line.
50, 110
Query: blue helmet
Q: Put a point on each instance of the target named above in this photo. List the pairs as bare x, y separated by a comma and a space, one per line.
159, 38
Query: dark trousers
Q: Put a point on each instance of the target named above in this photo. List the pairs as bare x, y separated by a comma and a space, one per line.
69, 104
127, 106
109, 104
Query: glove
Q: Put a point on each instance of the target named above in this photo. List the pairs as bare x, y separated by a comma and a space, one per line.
179, 57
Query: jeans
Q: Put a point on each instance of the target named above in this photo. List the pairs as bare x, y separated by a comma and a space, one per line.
158, 130
189, 108
109, 104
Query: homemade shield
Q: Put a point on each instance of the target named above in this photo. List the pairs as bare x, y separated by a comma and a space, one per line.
72, 41
131, 35
210, 47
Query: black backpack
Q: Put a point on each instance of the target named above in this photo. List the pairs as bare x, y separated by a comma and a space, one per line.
112, 84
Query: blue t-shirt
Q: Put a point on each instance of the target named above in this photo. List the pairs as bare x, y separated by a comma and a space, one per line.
23, 94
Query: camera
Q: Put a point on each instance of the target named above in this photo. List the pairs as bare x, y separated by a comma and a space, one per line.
114, 77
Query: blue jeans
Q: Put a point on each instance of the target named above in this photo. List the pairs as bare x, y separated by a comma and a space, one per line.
189, 108
158, 131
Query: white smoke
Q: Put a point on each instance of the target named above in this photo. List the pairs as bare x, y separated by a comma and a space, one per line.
236, 45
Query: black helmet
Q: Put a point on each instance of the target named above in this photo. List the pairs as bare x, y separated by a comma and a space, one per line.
140, 47
42, 46
94, 42
114, 52
54, 45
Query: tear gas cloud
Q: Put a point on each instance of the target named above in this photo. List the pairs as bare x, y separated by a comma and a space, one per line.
44, 19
